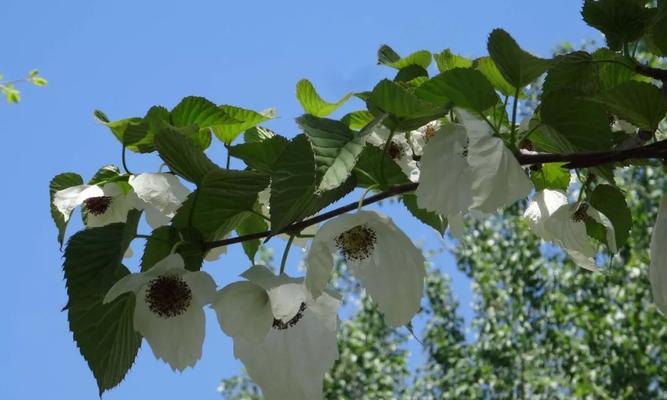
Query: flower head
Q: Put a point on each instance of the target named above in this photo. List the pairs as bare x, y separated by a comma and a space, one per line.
168, 310
399, 149
284, 337
160, 195
103, 205
551, 217
658, 268
379, 254
464, 167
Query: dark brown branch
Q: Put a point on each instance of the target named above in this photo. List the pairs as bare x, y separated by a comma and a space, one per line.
651, 72
574, 160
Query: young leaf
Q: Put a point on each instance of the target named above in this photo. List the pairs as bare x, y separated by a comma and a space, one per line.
293, 183
261, 156
104, 333
223, 199
518, 67
611, 202
240, 120
335, 148
257, 134
391, 98
60, 182
412, 75
252, 224
640, 103
312, 103
488, 68
467, 88
583, 123
431, 219
621, 21
387, 56
551, 176
104, 174
357, 119
182, 155
446, 60
162, 241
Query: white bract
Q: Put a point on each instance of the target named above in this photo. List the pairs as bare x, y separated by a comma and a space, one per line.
161, 194
168, 310
379, 254
399, 149
658, 268
284, 337
464, 167
554, 219
103, 205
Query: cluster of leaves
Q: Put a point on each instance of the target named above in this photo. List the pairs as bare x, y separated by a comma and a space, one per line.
541, 329
580, 93
11, 93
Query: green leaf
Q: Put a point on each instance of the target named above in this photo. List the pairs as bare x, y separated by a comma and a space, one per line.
431, 219
574, 71
137, 134
293, 183
551, 176
611, 74
252, 224
411, 74
60, 182
389, 97
182, 155
357, 119
610, 201
104, 174
223, 199
621, 21
257, 134
585, 124
335, 148
387, 56
640, 103
466, 88
488, 68
657, 31
312, 103
261, 156
162, 240
241, 120
104, 333
518, 67
369, 173
199, 112
446, 60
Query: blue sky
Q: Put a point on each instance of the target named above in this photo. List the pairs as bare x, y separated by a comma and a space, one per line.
125, 56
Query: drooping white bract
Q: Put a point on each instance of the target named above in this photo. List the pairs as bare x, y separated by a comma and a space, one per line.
103, 205
161, 194
399, 149
284, 337
464, 167
497, 177
379, 254
658, 268
420, 136
554, 219
168, 310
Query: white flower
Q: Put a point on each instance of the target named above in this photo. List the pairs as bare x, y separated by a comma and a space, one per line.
168, 310
419, 137
399, 149
103, 205
379, 254
285, 338
464, 167
161, 195
658, 268
551, 217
